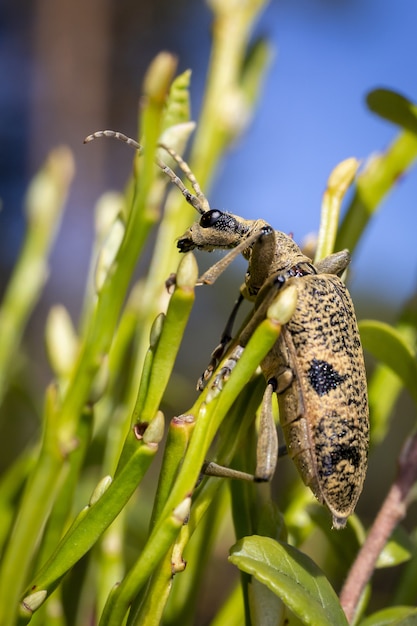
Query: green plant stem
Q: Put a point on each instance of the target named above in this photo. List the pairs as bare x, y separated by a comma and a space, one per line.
179, 433
185, 597
40, 492
379, 176
339, 181
157, 545
62, 507
169, 341
149, 612
48, 473
209, 418
94, 520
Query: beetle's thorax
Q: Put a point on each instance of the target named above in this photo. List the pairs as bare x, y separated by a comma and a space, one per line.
286, 253
274, 253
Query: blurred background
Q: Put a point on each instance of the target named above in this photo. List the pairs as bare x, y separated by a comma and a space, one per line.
71, 67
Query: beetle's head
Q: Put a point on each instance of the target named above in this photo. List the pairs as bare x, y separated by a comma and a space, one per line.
216, 229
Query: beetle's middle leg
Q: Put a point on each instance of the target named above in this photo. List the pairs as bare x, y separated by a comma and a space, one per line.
267, 450
267, 447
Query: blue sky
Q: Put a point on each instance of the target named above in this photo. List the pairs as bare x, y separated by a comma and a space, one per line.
313, 115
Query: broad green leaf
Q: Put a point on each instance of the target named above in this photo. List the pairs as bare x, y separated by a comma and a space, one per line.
398, 549
398, 615
292, 576
386, 344
393, 107
408, 620
384, 385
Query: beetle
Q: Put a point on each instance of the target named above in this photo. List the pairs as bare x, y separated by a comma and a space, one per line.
316, 368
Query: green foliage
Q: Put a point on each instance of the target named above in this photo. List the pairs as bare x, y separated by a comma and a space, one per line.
292, 576
63, 551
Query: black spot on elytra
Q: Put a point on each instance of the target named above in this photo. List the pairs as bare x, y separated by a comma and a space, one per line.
339, 452
323, 377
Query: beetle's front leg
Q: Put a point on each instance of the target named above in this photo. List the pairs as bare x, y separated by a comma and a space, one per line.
275, 284
218, 352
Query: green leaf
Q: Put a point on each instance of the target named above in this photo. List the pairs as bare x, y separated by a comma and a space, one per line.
393, 107
292, 576
398, 549
379, 176
345, 544
178, 102
386, 344
398, 615
408, 620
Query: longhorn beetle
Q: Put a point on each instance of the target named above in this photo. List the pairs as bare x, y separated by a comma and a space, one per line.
316, 368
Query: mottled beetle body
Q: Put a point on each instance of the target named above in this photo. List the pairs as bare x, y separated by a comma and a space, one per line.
324, 409
316, 368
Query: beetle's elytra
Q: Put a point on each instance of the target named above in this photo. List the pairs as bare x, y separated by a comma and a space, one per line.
316, 368
324, 411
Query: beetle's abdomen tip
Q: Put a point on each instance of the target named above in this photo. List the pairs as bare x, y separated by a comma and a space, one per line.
338, 522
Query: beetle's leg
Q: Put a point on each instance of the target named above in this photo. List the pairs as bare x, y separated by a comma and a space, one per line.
276, 284
261, 261
210, 468
335, 263
267, 447
208, 278
266, 296
220, 471
267, 450
212, 274
219, 351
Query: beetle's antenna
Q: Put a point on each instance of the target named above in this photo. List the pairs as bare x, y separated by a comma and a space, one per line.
114, 134
199, 198
198, 201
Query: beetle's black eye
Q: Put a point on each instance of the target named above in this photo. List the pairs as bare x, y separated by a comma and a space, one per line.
210, 218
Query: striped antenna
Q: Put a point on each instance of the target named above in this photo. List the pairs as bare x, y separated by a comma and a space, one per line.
197, 200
